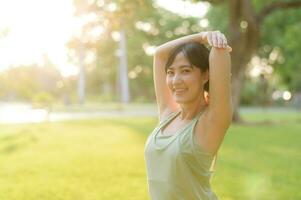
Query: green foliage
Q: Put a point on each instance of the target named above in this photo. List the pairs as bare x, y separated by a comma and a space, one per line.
145, 25
249, 93
291, 68
218, 16
42, 100
281, 33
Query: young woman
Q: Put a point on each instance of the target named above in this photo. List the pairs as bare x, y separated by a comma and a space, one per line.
181, 151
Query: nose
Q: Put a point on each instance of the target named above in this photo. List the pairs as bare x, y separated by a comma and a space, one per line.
177, 79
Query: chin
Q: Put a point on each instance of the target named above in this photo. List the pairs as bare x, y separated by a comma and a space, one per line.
185, 99
181, 100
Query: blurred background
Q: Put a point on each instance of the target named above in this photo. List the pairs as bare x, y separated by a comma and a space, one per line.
76, 88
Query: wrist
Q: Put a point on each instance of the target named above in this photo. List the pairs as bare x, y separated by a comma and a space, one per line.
203, 37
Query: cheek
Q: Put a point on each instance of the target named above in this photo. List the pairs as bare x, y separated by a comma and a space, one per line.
192, 80
196, 83
168, 82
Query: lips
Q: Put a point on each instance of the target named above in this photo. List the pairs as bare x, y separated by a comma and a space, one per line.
179, 90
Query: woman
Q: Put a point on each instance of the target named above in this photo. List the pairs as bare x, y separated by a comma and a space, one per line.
182, 149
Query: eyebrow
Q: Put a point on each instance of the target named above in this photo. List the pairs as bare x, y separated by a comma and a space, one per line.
182, 66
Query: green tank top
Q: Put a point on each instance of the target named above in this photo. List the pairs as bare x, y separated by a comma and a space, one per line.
177, 167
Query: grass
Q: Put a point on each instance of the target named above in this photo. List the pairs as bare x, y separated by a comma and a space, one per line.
96, 106
103, 159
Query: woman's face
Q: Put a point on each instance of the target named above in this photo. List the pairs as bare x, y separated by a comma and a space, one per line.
185, 81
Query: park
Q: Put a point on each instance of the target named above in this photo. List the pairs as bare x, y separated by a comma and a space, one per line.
76, 110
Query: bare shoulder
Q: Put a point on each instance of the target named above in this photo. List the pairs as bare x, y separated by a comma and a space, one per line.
209, 134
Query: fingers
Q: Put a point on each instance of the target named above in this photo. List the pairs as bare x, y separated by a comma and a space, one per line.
217, 39
209, 38
224, 42
229, 48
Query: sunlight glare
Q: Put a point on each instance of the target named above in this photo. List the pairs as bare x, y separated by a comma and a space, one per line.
286, 95
21, 113
37, 28
185, 8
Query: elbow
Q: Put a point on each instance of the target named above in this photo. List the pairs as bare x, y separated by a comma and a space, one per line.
158, 51
158, 54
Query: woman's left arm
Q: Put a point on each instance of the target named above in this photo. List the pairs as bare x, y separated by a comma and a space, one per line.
220, 110
220, 107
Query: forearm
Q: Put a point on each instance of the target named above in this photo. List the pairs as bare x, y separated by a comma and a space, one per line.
220, 80
163, 50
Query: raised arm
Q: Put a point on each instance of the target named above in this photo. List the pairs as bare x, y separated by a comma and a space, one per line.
165, 102
220, 107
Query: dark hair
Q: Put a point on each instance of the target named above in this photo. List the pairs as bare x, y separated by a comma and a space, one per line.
197, 55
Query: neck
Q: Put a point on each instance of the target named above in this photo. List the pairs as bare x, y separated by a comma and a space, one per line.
189, 111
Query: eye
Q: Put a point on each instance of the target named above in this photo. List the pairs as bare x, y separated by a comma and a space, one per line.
169, 72
186, 70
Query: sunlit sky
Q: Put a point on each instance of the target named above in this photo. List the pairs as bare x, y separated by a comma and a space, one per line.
39, 28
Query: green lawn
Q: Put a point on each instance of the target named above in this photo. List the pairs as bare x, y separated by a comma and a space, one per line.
103, 160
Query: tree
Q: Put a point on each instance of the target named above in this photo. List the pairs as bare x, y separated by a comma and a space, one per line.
145, 25
27, 83
245, 31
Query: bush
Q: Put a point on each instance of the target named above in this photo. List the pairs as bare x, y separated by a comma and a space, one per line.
42, 100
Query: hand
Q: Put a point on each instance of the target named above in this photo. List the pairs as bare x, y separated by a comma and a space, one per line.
218, 40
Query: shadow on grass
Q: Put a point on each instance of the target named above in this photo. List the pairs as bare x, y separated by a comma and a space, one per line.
15, 141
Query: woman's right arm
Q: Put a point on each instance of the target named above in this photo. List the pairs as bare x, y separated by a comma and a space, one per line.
163, 50
165, 102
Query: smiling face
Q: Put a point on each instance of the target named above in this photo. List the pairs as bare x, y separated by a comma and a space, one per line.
185, 81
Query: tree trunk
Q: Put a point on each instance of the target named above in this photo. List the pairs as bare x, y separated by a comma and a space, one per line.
244, 37
244, 34
237, 85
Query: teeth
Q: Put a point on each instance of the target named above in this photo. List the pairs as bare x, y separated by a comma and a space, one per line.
179, 90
